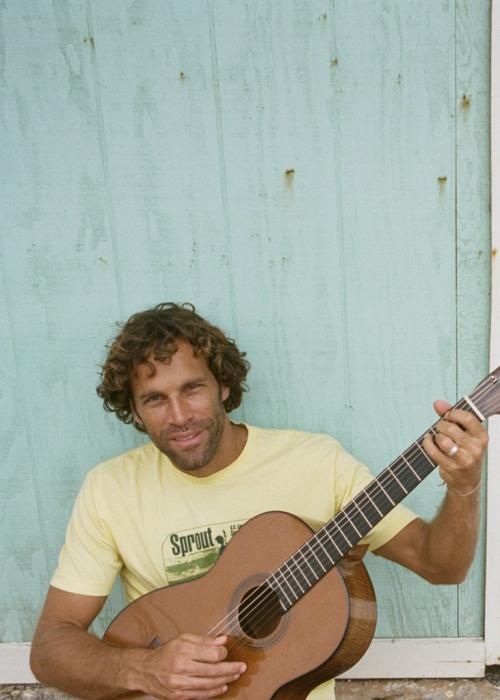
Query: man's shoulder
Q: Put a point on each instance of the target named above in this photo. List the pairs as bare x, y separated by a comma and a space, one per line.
292, 439
126, 464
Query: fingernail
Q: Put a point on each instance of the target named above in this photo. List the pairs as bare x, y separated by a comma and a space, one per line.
243, 668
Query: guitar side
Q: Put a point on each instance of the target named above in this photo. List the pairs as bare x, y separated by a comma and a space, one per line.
321, 636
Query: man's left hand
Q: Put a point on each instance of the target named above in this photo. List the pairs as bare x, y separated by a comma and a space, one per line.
457, 448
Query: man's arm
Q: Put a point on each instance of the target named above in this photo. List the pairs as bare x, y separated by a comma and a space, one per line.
443, 550
68, 657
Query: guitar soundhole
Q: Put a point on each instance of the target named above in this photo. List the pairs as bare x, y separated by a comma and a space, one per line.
259, 612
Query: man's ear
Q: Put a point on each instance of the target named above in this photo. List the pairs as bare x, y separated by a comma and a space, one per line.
224, 392
137, 419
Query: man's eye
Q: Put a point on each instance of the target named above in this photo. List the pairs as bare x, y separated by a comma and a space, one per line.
153, 398
193, 387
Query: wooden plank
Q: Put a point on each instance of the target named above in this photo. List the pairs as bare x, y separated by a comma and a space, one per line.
273, 73
395, 112
492, 603
473, 244
421, 658
24, 537
386, 658
57, 265
236, 178
15, 664
280, 164
165, 154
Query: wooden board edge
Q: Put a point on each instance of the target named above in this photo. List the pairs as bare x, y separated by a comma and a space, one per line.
422, 658
386, 658
492, 609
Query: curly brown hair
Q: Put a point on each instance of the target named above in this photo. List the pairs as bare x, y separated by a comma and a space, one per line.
153, 334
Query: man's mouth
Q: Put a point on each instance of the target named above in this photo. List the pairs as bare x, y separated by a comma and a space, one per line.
187, 439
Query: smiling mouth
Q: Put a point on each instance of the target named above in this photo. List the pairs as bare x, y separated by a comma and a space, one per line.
186, 439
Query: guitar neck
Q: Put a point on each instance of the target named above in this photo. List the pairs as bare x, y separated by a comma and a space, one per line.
328, 545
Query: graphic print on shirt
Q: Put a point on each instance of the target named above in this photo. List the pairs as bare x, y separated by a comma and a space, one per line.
189, 554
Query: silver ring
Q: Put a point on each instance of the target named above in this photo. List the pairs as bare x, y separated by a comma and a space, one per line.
452, 451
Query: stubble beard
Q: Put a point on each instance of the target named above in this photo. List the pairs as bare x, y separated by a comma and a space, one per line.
197, 458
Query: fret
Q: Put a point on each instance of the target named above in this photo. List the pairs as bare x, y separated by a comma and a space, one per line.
474, 408
290, 570
280, 589
364, 514
293, 588
425, 454
409, 477
374, 504
310, 546
355, 521
394, 475
301, 552
379, 497
324, 549
352, 523
317, 539
433, 430
386, 493
359, 521
408, 463
421, 463
325, 530
341, 531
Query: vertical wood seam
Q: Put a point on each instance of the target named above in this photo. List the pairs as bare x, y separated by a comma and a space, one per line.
492, 579
455, 112
470, 88
24, 407
340, 230
222, 170
105, 161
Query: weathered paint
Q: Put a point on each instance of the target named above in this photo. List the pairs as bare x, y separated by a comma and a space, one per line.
277, 163
492, 599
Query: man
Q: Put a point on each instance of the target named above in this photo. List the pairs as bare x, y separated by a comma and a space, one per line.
163, 512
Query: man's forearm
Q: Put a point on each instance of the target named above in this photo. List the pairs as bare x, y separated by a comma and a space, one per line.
79, 663
451, 538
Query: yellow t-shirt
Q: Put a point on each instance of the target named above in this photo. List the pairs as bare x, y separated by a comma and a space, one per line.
140, 517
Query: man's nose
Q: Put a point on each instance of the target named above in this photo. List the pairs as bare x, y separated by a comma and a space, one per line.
180, 411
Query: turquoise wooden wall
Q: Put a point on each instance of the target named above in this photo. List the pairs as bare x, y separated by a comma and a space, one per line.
313, 175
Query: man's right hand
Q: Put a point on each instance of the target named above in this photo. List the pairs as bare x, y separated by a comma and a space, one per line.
66, 656
186, 668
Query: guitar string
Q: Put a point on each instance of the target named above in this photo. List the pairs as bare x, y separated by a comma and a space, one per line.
268, 595
259, 609
280, 576
264, 606
268, 592
388, 476
266, 598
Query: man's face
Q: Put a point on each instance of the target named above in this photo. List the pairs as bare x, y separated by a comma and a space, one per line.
181, 409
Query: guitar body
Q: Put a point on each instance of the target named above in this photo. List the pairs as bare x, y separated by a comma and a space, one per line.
274, 560
322, 635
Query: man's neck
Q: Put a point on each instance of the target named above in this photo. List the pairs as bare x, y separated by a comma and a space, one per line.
232, 444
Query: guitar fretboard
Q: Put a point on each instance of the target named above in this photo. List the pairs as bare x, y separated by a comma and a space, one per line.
323, 550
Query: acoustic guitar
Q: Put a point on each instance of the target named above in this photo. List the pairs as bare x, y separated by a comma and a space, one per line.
292, 612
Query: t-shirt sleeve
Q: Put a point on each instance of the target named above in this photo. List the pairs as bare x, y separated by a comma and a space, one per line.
351, 478
89, 561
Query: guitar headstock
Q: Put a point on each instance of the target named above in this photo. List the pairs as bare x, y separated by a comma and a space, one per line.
486, 396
